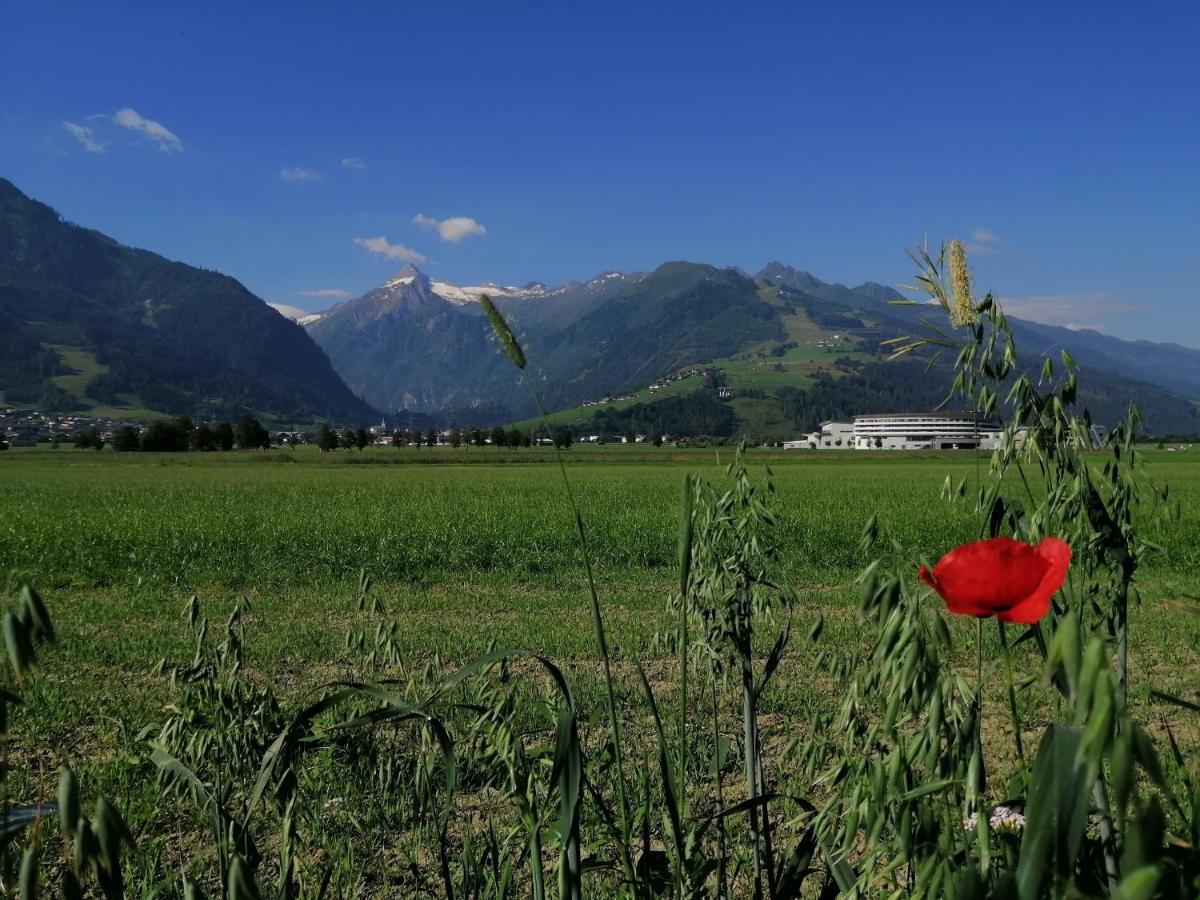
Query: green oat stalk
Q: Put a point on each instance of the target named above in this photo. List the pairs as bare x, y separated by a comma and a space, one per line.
512, 349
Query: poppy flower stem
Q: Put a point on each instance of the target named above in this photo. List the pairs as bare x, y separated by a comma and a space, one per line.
979, 687
1012, 694
979, 664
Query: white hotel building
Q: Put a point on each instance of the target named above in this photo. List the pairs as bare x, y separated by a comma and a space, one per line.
903, 431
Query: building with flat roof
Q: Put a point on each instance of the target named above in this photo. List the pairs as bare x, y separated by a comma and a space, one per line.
924, 431
903, 431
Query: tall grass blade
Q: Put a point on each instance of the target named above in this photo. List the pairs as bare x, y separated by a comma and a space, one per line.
668, 780
568, 776
686, 527
513, 350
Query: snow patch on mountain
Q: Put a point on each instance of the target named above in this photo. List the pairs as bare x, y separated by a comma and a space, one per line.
471, 294
410, 288
295, 313
463, 295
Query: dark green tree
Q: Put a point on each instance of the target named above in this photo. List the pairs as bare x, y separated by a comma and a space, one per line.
251, 435
126, 440
327, 438
89, 439
431, 438
167, 436
499, 437
224, 433
361, 438
204, 438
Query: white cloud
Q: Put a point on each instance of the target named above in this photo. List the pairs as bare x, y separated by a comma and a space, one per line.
382, 247
453, 229
167, 141
86, 137
353, 162
299, 175
983, 242
325, 292
1087, 309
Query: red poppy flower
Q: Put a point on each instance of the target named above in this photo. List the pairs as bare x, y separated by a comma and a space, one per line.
1001, 577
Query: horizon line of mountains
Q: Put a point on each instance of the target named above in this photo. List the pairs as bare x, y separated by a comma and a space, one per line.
88, 324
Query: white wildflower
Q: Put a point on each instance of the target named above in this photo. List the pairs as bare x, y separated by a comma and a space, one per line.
1003, 820
1006, 821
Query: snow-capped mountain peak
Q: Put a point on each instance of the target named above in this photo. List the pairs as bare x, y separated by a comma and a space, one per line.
407, 275
410, 288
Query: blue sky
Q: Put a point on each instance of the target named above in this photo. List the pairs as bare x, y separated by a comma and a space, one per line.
561, 140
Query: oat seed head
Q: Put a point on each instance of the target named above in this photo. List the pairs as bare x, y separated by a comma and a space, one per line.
507, 340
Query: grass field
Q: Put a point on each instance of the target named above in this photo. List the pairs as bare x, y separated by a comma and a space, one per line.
298, 517
467, 548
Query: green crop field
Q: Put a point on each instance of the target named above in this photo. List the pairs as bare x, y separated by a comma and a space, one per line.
467, 549
298, 518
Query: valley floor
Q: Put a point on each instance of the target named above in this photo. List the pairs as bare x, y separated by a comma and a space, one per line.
467, 549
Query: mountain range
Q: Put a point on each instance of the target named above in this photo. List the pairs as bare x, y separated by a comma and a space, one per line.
90, 325
420, 344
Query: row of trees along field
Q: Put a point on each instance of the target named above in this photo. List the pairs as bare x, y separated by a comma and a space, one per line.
180, 435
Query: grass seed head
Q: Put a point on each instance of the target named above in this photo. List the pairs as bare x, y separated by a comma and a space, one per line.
507, 340
960, 284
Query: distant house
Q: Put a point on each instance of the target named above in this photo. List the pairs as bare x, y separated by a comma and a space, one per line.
832, 436
22, 435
